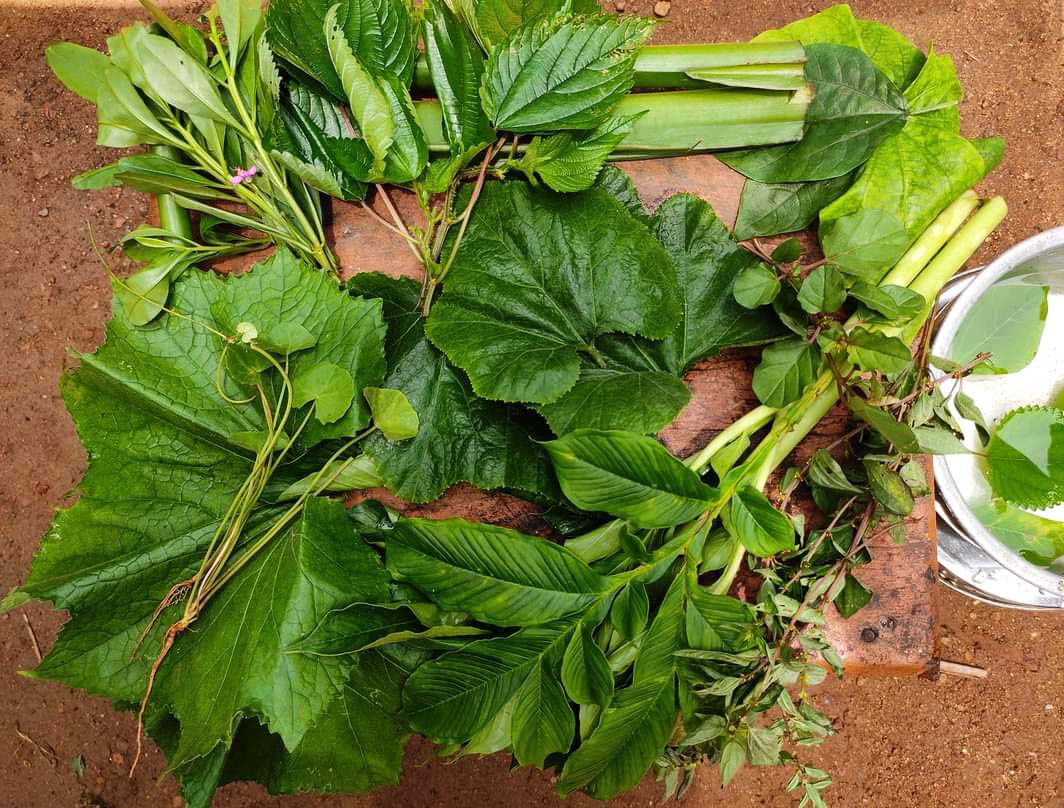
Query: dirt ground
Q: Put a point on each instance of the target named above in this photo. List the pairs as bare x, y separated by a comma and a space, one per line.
907, 742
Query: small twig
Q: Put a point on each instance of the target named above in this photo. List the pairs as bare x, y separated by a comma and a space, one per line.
33, 637
960, 669
404, 235
43, 748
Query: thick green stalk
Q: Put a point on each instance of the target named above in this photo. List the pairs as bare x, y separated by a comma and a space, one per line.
666, 67
931, 240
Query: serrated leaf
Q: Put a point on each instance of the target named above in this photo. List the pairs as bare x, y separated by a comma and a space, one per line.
182, 81
562, 72
629, 476
758, 526
497, 449
1007, 321
496, 574
454, 696
823, 290
585, 672
1025, 457
786, 369
568, 162
866, 243
495, 20
871, 350
456, 65
543, 721
538, 278
855, 109
767, 209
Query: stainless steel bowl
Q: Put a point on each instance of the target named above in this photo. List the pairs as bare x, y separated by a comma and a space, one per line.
971, 559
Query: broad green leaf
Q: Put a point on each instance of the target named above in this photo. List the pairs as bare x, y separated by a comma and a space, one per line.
786, 369
454, 696
893, 302
658, 647
495, 574
893, 430
379, 32
853, 597
240, 18
543, 722
1039, 540
936, 87
562, 72
731, 621
763, 746
766, 209
873, 351
370, 105
630, 610
914, 174
756, 286
865, 244
823, 290
628, 739
1007, 322
144, 293
313, 139
122, 117
1025, 457
181, 81
888, 488
939, 441
392, 413
787, 251
81, 69
96, 178
585, 672
620, 186
495, 20
538, 278
456, 65
826, 472
991, 149
758, 526
329, 386
629, 476
732, 758
856, 108
568, 162
352, 474
462, 437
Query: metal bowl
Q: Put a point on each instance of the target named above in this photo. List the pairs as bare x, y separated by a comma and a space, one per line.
972, 560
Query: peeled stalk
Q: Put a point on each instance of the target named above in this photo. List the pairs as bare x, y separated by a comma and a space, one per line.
675, 67
683, 121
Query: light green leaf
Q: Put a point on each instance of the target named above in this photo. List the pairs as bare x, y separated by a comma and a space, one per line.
567, 162
630, 610
144, 293
1025, 457
539, 277
239, 20
763, 746
825, 471
873, 351
329, 386
81, 69
658, 647
181, 81
585, 672
96, 178
823, 290
1038, 539
122, 117
1007, 321
786, 369
758, 526
495, 574
562, 72
865, 244
756, 286
543, 722
936, 87
732, 758
629, 476
939, 441
766, 209
353, 474
893, 302
853, 597
392, 413
893, 430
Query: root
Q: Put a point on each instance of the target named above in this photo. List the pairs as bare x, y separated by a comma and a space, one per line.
175, 595
172, 634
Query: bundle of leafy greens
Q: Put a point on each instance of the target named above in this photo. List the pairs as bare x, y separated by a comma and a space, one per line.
264, 632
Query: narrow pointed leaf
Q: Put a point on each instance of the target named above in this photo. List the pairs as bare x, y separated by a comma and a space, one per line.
585, 671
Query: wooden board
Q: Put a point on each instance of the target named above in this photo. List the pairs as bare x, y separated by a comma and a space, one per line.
895, 634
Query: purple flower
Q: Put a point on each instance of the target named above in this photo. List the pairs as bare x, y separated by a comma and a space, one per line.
243, 175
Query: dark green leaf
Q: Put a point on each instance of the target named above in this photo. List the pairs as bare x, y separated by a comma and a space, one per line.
630, 610
538, 278
585, 671
543, 721
568, 162
1007, 322
562, 72
497, 575
877, 352
456, 65
825, 471
893, 430
852, 597
786, 369
865, 244
657, 648
889, 488
629, 476
893, 302
81, 69
788, 251
756, 286
855, 109
758, 526
1025, 457
823, 290
767, 209
495, 20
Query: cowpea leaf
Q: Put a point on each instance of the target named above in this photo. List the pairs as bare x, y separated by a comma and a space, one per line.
182, 81
629, 476
456, 65
562, 72
496, 574
823, 290
454, 696
866, 243
1025, 457
497, 448
543, 721
856, 108
758, 526
874, 351
538, 278
766, 209
785, 370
